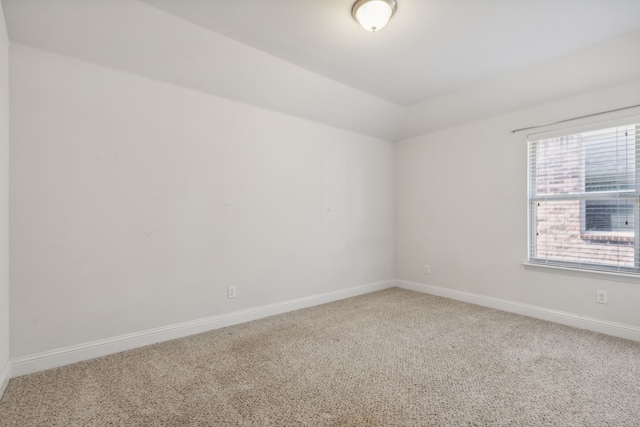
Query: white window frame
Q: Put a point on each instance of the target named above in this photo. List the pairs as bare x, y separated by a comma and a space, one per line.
575, 268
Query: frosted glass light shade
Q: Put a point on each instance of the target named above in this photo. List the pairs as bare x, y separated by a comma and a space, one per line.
373, 14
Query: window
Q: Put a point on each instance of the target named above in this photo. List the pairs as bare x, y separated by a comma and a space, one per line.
584, 200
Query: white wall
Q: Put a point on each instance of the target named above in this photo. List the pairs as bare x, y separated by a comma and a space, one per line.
156, 44
4, 204
461, 208
135, 203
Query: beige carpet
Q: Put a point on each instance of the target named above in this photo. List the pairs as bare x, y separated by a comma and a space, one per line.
390, 358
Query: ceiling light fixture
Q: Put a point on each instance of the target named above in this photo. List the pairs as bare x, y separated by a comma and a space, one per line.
373, 14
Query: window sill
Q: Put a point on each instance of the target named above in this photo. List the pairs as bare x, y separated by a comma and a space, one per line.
593, 274
612, 238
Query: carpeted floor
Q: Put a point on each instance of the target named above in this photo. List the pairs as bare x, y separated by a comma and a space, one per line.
390, 358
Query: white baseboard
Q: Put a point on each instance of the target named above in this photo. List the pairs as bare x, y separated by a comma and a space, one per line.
5, 376
65, 356
77, 353
610, 328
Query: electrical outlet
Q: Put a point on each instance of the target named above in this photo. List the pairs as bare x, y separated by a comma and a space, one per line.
231, 291
427, 269
601, 297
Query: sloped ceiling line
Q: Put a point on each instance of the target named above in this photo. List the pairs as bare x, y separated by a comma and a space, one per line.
311, 60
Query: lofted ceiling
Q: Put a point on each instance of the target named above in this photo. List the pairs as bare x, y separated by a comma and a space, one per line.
310, 58
430, 47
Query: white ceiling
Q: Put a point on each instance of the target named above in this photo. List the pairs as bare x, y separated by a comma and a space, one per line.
437, 63
430, 47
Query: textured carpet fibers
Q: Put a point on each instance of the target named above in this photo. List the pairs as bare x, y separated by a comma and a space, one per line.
389, 358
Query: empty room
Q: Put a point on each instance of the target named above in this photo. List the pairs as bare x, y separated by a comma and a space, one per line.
319, 213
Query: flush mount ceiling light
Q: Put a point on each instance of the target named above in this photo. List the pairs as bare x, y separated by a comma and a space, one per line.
373, 14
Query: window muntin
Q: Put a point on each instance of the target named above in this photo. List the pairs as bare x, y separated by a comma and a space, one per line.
583, 197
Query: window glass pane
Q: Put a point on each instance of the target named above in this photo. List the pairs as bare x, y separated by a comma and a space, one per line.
609, 216
559, 237
609, 159
559, 165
